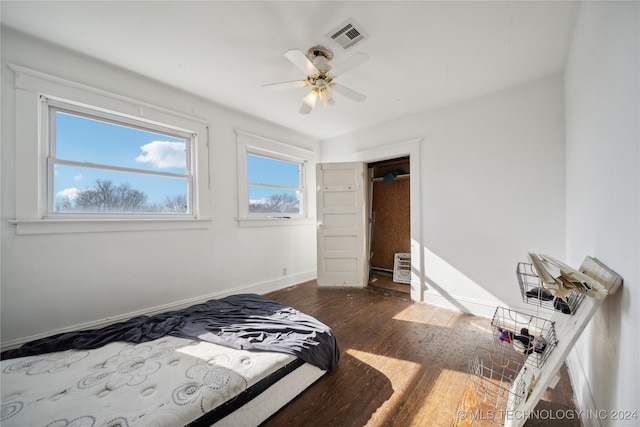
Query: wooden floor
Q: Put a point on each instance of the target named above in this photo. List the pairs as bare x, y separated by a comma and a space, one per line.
402, 363
385, 282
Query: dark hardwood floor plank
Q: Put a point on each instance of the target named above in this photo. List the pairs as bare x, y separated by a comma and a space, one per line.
402, 363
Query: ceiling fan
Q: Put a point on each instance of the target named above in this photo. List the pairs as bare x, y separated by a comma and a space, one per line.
315, 64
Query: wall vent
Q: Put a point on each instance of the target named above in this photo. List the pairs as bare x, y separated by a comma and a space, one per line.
348, 34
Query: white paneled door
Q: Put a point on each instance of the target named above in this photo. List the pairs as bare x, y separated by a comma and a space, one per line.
341, 224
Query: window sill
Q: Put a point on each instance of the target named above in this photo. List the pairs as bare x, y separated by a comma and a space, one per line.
268, 222
64, 226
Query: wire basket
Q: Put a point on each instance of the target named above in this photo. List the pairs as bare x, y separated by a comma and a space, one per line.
534, 293
531, 337
493, 379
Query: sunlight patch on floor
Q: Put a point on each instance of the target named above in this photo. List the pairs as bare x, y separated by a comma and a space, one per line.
401, 374
408, 315
447, 390
390, 367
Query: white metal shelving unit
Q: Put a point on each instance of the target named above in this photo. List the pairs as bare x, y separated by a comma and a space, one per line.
513, 383
568, 329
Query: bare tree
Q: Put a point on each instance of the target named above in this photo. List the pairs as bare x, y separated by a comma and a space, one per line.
175, 204
276, 203
64, 204
107, 197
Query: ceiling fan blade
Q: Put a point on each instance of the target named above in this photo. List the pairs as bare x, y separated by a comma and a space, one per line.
301, 61
349, 93
349, 63
305, 109
273, 87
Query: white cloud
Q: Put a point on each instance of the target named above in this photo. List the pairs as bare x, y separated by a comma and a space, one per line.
71, 193
77, 177
163, 154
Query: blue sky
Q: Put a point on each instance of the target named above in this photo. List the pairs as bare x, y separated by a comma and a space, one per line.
81, 139
84, 140
273, 172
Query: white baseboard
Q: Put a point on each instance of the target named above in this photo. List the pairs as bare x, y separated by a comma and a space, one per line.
582, 395
253, 288
270, 285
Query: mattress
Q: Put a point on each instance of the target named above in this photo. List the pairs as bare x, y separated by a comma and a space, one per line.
244, 321
193, 366
170, 381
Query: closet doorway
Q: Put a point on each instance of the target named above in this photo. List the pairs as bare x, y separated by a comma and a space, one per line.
390, 224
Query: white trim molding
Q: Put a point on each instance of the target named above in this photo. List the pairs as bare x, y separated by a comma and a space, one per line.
247, 142
32, 145
411, 148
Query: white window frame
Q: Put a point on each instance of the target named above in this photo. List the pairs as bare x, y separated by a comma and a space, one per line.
49, 108
34, 90
248, 143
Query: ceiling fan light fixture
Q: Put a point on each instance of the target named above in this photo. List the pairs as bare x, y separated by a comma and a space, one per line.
311, 98
326, 95
321, 63
328, 102
315, 64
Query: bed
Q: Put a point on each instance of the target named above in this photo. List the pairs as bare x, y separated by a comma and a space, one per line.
230, 362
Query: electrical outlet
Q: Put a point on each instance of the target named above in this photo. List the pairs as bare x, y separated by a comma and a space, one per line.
284, 271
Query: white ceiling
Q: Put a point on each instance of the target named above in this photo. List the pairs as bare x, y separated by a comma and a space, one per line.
423, 54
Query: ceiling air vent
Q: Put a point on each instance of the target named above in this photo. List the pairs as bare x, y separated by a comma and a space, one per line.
348, 34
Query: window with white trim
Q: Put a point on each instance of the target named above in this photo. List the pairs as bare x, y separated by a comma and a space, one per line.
52, 169
275, 185
102, 164
272, 179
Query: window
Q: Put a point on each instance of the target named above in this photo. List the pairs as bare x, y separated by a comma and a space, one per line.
89, 160
275, 186
101, 164
272, 178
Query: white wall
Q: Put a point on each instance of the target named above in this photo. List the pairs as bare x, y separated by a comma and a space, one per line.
491, 189
51, 282
603, 197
